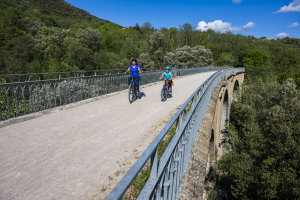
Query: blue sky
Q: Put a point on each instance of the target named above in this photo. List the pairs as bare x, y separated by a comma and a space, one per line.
269, 18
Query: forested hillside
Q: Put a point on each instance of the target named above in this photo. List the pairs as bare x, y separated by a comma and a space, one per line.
46, 35
52, 35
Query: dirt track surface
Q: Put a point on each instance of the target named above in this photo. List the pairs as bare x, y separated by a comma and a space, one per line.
83, 151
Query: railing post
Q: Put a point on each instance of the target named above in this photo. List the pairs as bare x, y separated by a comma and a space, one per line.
38, 96
16, 102
154, 162
24, 102
7, 102
60, 101
54, 88
31, 103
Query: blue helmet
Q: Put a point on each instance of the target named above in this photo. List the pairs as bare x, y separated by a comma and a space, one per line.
167, 67
134, 59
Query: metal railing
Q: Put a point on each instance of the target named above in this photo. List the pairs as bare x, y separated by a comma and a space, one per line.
20, 98
8, 78
167, 173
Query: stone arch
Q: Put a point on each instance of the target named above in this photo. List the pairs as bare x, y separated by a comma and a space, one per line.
224, 115
224, 120
235, 90
236, 86
211, 151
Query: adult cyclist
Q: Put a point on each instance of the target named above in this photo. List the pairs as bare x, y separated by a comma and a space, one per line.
135, 74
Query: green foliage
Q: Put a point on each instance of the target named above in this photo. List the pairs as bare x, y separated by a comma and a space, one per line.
264, 159
225, 59
139, 182
255, 61
36, 35
145, 61
189, 56
164, 144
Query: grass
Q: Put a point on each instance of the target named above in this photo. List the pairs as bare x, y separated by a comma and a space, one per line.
166, 141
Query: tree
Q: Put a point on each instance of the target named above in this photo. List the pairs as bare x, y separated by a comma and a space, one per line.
156, 46
89, 37
156, 40
225, 59
79, 55
187, 57
188, 31
145, 61
255, 62
147, 26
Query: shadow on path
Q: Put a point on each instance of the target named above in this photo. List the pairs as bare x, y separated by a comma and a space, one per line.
142, 94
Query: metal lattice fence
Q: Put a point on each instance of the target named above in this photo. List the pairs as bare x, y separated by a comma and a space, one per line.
20, 98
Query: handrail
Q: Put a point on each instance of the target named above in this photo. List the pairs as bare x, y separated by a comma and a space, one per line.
166, 173
78, 74
40, 76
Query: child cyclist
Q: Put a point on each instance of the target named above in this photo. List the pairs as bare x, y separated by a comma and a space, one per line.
168, 79
135, 74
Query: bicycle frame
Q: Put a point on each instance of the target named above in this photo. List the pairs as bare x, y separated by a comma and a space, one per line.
164, 91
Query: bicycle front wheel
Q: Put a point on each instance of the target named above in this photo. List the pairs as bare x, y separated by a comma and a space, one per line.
131, 93
163, 94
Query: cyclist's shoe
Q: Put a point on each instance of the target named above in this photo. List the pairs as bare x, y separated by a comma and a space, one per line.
138, 95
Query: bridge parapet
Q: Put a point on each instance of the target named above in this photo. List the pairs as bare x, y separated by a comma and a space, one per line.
209, 145
168, 168
21, 98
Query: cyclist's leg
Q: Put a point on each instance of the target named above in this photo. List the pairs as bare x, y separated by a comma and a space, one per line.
137, 83
129, 80
170, 87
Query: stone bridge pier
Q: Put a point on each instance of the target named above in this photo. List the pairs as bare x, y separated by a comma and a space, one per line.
208, 147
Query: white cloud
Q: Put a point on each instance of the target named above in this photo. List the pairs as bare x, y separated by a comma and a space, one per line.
236, 1
294, 6
248, 26
220, 26
217, 25
293, 25
282, 35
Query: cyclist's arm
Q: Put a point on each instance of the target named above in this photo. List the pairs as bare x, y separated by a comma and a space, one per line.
162, 76
171, 77
127, 70
140, 70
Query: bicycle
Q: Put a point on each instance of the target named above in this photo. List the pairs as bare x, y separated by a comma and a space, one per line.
132, 92
166, 91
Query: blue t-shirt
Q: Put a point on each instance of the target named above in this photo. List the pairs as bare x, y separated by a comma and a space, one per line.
135, 70
167, 75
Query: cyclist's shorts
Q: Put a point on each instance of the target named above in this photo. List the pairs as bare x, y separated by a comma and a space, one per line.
169, 82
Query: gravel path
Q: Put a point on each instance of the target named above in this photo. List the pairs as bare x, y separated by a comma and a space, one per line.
81, 152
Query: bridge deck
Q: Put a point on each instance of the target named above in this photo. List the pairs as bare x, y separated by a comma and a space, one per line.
82, 152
